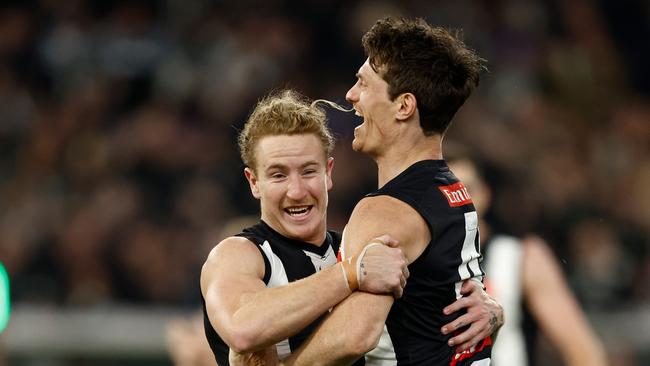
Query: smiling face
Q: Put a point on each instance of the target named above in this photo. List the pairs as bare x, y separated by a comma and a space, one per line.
369, 97
291, 179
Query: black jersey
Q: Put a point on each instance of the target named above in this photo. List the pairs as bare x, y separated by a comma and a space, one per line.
453, 255
285, 260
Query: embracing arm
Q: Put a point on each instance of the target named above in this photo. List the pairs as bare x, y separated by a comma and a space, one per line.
555, 308
355, 325
483, 313
249, 316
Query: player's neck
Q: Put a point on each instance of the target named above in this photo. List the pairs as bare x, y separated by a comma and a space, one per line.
406, 153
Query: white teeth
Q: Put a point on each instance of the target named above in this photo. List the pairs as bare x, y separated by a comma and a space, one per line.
297, 211
358, 113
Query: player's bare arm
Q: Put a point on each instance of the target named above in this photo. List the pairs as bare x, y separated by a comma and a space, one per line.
555, 307
355, 325
249, 316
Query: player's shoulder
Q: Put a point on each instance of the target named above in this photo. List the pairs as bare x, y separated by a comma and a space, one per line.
232, 256
231, 246
536, 249
232, 250
379, 206
378, 215
386, 211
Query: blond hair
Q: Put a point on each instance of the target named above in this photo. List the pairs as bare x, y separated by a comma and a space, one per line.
283, 113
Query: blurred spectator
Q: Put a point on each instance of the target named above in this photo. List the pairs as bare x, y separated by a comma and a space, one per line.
117, 121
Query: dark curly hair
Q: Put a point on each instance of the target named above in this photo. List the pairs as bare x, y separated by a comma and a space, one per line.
430, 62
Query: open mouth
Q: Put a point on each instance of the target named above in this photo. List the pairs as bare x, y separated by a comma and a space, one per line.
360, 114
298, 211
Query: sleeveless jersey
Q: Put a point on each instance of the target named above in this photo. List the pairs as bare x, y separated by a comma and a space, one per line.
285, 260
503, 261
436, 276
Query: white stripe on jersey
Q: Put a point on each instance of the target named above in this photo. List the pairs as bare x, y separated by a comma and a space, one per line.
278, 274
503, 271
278, 278
469, 255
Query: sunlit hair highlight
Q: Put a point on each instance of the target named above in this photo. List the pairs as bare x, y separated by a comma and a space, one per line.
285, 112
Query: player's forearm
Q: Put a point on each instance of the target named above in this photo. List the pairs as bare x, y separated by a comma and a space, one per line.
339, 358
556, 309
576, 340
269, 316
582, 347
350, 330
593, 359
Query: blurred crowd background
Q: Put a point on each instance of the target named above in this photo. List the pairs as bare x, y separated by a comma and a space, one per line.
118, 120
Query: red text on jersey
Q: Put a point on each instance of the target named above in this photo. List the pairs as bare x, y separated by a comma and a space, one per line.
456, 194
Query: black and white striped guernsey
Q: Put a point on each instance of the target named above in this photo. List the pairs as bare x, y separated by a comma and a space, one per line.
453, 255
285, 260
518, 335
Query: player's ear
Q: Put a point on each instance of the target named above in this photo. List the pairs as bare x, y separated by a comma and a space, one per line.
252, 182
406, 106
328, 172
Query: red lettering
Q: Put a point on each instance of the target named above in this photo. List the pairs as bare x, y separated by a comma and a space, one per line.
456, 194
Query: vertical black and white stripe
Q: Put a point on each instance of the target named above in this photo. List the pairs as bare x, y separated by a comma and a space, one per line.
285, 260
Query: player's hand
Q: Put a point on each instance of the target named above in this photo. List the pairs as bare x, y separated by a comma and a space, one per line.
265, 357
382, 267
484, 316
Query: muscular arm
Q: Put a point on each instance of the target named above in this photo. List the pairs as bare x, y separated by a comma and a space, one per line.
555, 308
355, 325
249, 316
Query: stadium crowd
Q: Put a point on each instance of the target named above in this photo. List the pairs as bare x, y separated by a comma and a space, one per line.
118, 162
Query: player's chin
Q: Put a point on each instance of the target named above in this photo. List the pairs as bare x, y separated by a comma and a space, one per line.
304, 231
357, 144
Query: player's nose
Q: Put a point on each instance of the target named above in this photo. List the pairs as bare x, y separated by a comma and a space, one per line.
352, 95
296, 189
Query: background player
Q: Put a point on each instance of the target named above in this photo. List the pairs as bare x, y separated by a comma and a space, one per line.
524, 276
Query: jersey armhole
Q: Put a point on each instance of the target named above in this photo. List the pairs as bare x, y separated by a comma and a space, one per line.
267, 266
254, 239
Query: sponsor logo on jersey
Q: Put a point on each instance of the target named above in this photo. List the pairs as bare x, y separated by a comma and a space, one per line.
457, 359
456, 194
